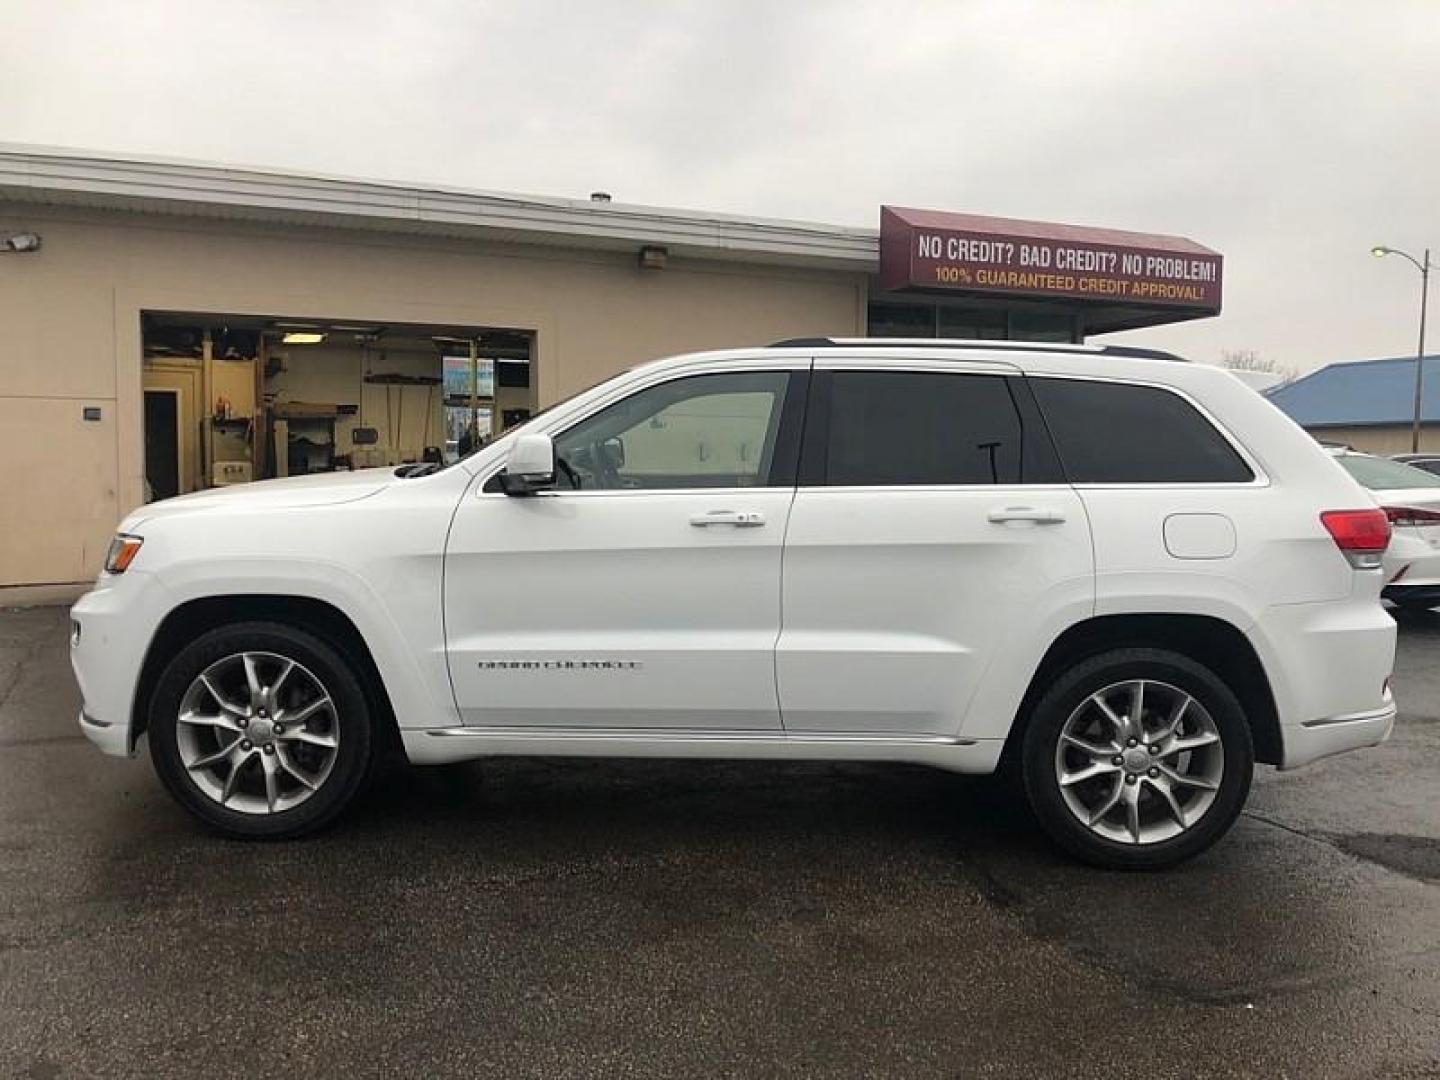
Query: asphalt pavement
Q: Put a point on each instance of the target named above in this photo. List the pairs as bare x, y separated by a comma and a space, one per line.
587, 918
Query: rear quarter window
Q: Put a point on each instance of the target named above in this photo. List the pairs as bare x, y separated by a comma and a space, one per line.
1119, 433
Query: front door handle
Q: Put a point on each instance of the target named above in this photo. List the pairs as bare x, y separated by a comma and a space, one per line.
1036, 515
741, 519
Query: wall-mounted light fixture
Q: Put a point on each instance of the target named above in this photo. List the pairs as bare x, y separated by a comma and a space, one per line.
653, 257
20, 243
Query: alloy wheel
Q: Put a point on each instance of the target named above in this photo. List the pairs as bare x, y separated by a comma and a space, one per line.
258, 732
1139, 762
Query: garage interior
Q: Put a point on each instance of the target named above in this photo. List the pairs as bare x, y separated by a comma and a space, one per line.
234, 398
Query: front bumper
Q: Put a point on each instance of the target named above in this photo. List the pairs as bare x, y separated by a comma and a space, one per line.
112, 739
1317, 739
113, 625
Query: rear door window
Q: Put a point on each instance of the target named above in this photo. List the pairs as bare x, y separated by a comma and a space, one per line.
1119, 433
920, 428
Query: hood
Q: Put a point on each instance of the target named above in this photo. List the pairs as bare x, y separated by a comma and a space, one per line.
320, 489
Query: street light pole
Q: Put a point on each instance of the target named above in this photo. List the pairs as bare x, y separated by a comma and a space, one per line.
1423, 265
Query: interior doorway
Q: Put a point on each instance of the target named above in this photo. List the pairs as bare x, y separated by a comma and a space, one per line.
162, 444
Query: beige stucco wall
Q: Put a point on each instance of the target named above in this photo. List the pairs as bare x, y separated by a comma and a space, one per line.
1387, 440
70, 334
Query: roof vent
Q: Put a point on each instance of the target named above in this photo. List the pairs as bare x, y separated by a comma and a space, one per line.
599, 196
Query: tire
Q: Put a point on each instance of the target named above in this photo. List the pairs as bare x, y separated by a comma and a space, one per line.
284, 731
1207, 770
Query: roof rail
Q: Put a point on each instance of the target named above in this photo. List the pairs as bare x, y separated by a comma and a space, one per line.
1128, 351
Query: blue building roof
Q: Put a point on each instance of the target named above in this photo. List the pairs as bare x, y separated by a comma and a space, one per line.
1360, 392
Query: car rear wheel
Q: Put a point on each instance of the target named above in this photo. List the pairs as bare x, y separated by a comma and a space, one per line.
1137, 759
261, 730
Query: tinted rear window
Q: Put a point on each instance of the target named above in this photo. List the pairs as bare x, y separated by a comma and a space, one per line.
907, 427
1115, 433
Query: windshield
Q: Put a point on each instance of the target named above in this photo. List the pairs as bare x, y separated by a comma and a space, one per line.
1381, 474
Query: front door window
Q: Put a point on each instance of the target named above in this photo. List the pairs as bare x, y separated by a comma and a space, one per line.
705, 431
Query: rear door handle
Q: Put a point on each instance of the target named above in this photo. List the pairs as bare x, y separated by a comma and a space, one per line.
1038, 515
741, 519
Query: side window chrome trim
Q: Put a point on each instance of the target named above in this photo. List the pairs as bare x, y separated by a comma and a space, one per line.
855, 489
630, 493
1183, 485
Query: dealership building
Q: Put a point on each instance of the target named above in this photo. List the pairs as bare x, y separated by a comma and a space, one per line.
168, 326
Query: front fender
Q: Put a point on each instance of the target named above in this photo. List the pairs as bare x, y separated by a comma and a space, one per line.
399, 619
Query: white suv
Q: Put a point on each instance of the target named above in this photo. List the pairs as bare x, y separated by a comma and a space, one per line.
1126, 576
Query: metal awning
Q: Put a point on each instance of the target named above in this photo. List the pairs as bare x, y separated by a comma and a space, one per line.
1118, 279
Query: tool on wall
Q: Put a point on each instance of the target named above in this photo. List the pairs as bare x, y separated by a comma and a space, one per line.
364, 375
429, 411
395, 404
397, 437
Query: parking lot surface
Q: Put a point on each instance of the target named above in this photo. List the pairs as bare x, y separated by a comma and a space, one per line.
581, 918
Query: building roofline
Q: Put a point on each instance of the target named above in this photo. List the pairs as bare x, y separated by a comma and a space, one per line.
1357, 393
1377, 360
89, 179
1327, 425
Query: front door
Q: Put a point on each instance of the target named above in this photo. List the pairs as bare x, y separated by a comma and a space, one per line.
645, 592
932, 545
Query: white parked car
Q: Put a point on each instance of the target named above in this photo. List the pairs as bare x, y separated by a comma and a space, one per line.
1129, 577
1411, 498
1429, 463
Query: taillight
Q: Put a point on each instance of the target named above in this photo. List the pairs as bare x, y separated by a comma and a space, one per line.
1361, 535
1412, 515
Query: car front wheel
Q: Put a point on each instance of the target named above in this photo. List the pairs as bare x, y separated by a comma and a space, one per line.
1137, 759
260, 730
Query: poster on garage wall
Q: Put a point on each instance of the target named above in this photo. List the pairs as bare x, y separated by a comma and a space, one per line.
457, 377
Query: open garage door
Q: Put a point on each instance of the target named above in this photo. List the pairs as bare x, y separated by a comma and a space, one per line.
243, 397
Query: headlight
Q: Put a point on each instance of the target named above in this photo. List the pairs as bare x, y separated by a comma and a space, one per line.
123, 550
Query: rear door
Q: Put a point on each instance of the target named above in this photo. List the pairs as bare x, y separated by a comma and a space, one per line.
931, 540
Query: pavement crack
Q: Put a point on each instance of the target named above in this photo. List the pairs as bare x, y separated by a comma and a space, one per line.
1414, 857
31, 654
39, 740
1291, 829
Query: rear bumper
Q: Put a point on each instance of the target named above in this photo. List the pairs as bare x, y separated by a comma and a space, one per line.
1329, 668
1316, 739
1413, 595
1412, 568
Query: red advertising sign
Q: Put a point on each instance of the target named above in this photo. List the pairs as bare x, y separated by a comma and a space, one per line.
925, 249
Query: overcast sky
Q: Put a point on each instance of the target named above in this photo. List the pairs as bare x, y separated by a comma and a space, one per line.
1291, 137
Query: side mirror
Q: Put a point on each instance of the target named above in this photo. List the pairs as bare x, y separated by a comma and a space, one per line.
530, 466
